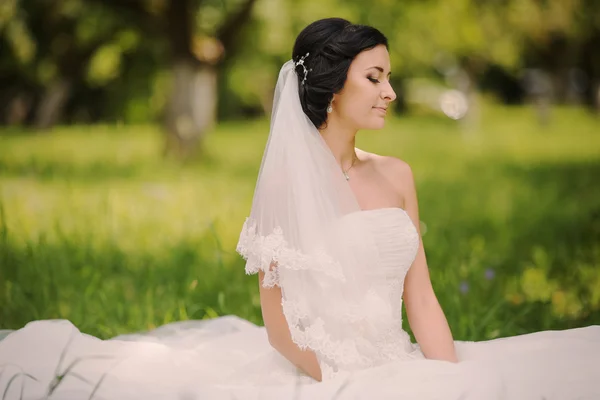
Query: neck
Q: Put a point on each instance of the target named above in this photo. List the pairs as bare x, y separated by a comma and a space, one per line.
341, 141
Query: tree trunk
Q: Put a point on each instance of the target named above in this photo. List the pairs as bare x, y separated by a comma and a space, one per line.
191, 110
596, 92
50, 110
17, 108
192, 106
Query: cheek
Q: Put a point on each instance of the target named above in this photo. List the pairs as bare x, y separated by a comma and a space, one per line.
361, 112
355, 105
358, 102
354, 113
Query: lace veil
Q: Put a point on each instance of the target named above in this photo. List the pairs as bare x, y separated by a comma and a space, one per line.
300, 233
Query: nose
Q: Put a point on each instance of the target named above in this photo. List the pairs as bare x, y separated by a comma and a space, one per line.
388, 92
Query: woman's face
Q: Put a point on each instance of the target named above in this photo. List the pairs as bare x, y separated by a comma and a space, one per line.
367, 93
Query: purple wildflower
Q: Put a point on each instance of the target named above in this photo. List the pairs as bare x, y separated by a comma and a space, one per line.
464, 287
490, 274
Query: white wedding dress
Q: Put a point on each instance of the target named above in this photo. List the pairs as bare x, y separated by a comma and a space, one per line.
230, 358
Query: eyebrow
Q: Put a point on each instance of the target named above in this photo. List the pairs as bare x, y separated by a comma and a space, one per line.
380, 69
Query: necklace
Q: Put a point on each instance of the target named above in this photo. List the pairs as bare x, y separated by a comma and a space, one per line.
346, 171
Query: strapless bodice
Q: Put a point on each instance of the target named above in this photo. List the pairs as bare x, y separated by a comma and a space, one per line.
387, 242
395, 240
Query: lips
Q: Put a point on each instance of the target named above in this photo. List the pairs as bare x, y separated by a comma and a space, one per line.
382, 109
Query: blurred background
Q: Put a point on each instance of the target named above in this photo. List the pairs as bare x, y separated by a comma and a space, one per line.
131, 133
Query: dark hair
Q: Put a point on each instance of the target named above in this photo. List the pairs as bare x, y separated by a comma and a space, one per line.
332, 44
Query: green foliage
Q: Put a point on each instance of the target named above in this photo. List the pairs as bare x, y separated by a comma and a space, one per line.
18, 36
95, 229
114, 51
105, 64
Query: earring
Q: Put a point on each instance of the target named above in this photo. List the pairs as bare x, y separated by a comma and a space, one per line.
329, 108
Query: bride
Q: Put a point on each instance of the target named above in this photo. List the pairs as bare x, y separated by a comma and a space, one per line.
333, 234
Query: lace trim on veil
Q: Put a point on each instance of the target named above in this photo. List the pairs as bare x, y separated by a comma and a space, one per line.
350, 352
259, 251
315, 337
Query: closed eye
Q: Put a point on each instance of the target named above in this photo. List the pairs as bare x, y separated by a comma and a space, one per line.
373, 80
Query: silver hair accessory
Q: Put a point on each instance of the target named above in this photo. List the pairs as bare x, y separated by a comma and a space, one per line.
301, 62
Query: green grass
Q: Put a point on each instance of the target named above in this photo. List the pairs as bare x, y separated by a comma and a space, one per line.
95, 227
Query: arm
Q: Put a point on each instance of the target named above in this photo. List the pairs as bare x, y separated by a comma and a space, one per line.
425, 315
279, 332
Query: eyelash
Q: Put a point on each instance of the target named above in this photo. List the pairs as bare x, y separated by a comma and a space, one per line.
373, 80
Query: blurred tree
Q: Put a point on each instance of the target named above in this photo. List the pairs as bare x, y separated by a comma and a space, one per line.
463, 39
16, 54
555, 36
58, 46
131, 60
64, 50
200, 35
562, 38
55, 48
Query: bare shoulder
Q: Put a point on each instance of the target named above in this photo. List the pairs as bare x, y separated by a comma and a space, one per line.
395, 170
397, 175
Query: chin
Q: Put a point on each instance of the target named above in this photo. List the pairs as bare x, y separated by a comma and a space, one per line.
374, 125
371, 123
